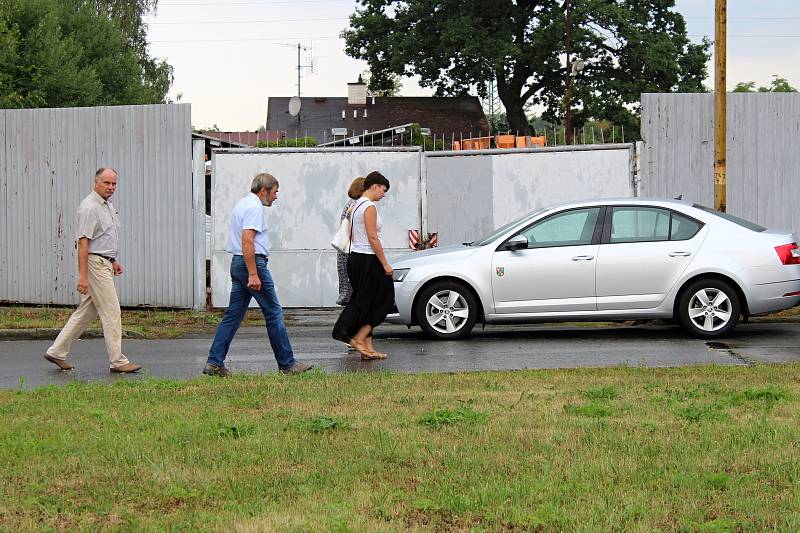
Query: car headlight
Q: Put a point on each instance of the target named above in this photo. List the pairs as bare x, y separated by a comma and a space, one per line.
400, 274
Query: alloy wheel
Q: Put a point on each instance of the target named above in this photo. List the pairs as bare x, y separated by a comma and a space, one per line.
710, 309
446, 311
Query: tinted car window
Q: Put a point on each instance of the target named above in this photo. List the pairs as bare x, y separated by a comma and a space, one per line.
730, 218
639, 224
502, 229
683, 228
570, 228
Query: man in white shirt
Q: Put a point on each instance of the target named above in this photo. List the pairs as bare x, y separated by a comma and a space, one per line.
248, 241
97, 241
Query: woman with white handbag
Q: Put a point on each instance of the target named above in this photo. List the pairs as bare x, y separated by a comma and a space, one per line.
345, 289
369, 273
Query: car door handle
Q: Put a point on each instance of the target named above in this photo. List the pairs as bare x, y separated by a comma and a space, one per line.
583, 258
680, 254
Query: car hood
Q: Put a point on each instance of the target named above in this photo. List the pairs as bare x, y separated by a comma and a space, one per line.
453, 252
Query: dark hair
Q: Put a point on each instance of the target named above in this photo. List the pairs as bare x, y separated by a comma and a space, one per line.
356, 188
375, 178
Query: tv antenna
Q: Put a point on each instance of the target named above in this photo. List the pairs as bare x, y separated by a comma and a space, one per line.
300, 65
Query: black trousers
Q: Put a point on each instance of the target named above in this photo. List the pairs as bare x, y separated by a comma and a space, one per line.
372, 299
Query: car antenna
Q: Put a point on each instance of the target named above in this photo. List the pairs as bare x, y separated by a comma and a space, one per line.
679, 197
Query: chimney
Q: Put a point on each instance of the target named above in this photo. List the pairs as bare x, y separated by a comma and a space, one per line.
357, 92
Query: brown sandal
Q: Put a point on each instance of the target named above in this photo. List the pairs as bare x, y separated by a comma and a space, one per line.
372, 356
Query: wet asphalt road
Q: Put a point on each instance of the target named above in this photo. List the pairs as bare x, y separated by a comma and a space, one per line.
495, 348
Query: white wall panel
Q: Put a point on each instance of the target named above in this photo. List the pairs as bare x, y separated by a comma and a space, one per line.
312, 194
470, 194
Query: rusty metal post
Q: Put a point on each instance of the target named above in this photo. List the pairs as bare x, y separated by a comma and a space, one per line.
720, 106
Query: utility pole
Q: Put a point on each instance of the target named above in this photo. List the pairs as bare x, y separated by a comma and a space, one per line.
720, 106
568, 92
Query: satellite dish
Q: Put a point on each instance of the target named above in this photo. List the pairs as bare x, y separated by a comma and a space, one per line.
294, 106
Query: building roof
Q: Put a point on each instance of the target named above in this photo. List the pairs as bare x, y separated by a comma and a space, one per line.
244, 138
319, 115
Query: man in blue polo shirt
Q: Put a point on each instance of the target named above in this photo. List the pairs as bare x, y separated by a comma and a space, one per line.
250, 278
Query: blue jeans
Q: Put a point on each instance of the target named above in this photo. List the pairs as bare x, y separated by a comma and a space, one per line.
240, 298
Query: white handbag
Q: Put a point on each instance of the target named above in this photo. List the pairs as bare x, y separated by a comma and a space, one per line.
341, 239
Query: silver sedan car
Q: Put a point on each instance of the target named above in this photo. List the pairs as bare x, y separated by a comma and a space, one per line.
603, 260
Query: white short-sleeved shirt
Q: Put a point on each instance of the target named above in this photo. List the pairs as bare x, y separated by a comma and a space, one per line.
360, 243
248, 213
97, 220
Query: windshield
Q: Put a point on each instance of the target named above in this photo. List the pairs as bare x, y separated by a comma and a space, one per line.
502, 229
730, 218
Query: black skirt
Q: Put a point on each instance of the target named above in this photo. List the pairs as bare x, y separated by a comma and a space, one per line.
372, 299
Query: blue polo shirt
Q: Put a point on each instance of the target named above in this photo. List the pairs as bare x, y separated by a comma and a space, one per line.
248, 213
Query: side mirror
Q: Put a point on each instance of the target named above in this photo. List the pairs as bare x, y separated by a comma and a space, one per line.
518, 242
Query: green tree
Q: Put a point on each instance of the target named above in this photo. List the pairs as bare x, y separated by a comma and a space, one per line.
64, 53
777, 85
628, 46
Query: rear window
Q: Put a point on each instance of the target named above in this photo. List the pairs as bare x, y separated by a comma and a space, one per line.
730, 218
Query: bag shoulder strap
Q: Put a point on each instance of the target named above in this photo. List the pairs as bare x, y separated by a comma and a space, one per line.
355, 208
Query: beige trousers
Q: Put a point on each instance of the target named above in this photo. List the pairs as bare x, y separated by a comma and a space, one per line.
100, 300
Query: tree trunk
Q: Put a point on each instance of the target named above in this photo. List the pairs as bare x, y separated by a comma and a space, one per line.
510, 93
515, 113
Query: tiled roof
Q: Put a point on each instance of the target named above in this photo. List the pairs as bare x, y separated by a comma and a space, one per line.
319, 115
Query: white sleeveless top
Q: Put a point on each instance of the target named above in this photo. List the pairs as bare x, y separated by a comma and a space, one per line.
360, 243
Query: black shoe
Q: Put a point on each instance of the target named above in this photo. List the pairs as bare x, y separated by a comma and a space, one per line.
214, 370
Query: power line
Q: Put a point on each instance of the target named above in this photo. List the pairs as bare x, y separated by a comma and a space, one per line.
243, 40
245, 21
746, 36
284, 39
749, 18
267, 2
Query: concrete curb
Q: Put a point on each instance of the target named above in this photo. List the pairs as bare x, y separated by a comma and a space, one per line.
294, 318
36, 334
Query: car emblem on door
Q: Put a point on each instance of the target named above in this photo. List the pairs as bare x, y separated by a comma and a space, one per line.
500, 271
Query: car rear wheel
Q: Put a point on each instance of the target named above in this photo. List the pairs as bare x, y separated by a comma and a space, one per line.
446, 310
709, 308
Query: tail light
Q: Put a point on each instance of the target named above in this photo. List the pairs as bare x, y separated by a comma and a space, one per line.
789, 254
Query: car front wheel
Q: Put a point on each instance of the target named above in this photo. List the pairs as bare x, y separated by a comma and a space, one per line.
446, 310
709, 308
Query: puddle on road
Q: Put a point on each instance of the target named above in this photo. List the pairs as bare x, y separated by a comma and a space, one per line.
718, 345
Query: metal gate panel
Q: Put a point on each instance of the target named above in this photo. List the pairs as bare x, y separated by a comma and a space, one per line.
50, 157
762, 159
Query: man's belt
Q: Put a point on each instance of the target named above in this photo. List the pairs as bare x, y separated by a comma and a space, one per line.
110, 259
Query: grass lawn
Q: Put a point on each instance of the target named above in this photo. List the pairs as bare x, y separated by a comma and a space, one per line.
687, 449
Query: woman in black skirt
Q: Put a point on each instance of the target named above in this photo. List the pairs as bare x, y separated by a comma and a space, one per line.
369, 272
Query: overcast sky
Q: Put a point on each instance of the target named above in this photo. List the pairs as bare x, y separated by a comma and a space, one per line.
230, 56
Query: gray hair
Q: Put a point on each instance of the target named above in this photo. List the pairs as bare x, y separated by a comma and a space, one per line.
263, 181
101, 170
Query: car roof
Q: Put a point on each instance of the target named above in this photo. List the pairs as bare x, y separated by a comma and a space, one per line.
662, 202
